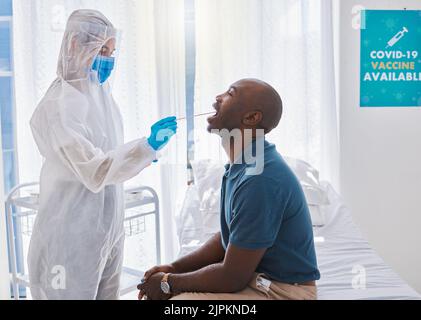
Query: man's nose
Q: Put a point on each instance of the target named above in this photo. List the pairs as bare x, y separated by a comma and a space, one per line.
218, 98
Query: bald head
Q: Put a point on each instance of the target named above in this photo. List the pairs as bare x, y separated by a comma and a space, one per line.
247, 104
259, 96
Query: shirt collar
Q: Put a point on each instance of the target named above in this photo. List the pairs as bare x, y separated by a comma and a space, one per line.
232, 170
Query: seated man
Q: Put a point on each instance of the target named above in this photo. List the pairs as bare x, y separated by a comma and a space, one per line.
265, 247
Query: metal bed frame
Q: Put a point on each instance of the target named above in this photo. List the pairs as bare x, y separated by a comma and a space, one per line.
135, 197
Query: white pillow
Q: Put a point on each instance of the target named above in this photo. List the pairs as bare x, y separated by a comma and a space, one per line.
210, 209
304, 171
317, 216
208, 179
315, 196
309, 179
207, 176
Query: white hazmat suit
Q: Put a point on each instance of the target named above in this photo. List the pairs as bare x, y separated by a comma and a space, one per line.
76, 248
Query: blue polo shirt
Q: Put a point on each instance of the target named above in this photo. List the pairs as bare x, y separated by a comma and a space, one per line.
269, 211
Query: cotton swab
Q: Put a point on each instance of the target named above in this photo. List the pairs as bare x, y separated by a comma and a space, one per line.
197, 115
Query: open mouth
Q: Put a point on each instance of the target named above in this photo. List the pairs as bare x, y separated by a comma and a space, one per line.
215, 114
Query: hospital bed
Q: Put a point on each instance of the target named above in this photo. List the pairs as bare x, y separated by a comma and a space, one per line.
350, 268
21, 209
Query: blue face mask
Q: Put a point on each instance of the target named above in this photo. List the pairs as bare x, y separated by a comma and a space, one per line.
103, 65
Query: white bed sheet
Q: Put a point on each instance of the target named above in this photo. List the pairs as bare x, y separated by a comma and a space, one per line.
345, 250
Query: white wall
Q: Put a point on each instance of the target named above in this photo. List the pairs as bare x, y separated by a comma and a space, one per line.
380, 158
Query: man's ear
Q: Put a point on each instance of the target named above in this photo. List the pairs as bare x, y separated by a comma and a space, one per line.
253, 118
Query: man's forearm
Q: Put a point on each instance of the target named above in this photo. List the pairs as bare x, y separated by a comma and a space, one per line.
210, 253
212, 278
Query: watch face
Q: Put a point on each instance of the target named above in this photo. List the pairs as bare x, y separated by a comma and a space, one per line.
165, 287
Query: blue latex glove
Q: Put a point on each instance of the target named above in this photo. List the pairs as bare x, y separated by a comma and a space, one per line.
161, 132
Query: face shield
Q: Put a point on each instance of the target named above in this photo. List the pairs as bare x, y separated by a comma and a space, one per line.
89, 48
104, 63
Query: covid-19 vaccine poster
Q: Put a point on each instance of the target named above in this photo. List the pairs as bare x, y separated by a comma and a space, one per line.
390, 58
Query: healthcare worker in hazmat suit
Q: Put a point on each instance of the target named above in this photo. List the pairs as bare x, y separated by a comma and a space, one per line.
76, 249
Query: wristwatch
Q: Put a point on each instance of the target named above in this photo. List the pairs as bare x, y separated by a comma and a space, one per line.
165, 286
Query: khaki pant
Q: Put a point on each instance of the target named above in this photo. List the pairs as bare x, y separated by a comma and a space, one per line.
259, 288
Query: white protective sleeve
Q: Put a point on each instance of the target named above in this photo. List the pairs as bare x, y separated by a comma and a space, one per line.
96, 169
91, 166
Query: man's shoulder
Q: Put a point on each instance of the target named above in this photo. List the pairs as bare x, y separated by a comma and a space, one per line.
275, 174
270, 177
274, 167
